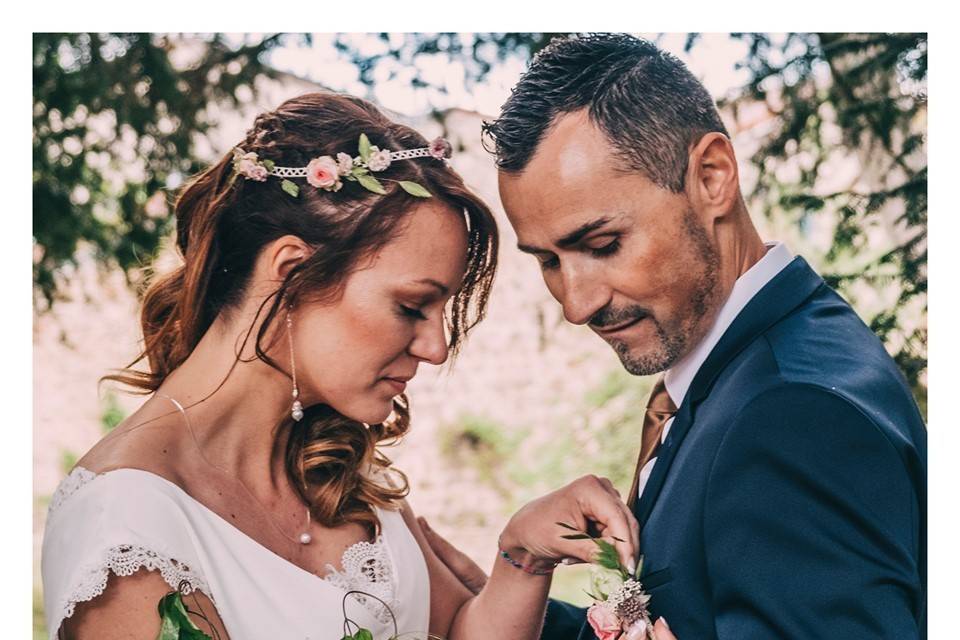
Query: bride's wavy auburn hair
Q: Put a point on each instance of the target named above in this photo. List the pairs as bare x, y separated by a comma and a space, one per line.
223, 223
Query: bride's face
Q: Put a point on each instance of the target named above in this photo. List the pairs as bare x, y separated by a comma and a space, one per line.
359, 352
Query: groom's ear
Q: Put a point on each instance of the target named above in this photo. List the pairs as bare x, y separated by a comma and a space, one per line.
713, 180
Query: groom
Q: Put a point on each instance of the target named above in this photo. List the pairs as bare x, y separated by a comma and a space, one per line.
782, 473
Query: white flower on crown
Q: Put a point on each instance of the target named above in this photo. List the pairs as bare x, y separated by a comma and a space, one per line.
378, 160
344, 163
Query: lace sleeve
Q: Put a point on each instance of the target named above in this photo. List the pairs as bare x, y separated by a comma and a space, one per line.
89, 536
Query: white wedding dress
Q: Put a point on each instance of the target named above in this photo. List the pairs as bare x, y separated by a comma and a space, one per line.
126, 519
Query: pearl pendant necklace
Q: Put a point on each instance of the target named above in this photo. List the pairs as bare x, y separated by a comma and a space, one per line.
305, 538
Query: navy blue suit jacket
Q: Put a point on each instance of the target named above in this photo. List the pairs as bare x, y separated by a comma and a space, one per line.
789, 497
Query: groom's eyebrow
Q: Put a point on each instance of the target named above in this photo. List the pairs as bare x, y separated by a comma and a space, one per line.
571, 238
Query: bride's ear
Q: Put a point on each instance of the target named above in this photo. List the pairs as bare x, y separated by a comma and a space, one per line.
282, 255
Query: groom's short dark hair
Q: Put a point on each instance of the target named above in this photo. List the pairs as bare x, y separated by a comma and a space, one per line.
645, 101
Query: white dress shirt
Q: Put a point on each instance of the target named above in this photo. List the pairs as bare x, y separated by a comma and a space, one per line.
679, 377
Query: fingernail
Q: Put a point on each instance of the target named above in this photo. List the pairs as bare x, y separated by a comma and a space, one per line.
631, 566
665, 623
566, 561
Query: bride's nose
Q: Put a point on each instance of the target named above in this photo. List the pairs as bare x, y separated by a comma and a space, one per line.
430, 341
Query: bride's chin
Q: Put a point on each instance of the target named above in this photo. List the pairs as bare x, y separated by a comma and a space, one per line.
374, 413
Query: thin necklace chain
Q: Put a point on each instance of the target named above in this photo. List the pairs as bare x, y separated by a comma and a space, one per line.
266, 512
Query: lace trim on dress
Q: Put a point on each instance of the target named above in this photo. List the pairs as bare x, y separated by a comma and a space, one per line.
367, 567
125, 560
68, 486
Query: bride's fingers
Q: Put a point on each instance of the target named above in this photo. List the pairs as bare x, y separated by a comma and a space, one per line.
598, 505
634, 525
661, 631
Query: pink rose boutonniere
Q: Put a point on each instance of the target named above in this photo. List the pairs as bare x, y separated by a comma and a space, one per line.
604, 621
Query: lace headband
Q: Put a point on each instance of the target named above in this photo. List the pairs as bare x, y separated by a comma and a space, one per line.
328, 173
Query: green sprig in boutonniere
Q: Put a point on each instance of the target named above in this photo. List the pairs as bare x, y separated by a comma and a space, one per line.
620, 608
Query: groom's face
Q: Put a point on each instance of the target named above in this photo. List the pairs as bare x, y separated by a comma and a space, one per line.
628, 258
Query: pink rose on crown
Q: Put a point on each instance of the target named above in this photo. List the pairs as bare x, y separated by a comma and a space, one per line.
605, 623
440, 149
258, 173
248, 165
323, 173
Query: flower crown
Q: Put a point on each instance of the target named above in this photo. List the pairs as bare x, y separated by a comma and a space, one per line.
326, 172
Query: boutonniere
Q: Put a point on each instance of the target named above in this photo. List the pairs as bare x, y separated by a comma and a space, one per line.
620, 605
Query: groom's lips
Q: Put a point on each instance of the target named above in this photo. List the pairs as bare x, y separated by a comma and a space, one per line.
610, 332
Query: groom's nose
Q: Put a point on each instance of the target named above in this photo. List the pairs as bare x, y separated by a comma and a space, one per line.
581, 295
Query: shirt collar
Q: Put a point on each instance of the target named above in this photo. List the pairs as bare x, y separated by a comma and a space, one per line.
679, 377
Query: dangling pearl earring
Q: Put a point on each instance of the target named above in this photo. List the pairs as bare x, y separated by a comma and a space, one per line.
296, 410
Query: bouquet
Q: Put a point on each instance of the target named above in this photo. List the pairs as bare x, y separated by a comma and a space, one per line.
175, 622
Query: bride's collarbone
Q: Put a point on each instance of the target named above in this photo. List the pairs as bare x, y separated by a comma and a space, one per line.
275, 524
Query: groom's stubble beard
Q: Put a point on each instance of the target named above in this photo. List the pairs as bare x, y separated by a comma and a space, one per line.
672, 345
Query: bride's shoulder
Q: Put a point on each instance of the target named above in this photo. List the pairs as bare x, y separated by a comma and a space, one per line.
114, 523
153, 447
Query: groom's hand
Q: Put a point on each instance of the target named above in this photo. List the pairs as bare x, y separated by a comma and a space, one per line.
459, 563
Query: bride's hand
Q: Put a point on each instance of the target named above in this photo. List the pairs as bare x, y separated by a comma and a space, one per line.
533, 537
662, 632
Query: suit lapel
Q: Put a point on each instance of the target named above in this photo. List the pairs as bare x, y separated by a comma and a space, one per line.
788, 290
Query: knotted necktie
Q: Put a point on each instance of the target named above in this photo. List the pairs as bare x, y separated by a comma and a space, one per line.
660, 408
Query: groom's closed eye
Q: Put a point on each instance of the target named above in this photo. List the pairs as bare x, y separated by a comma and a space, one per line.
597, 247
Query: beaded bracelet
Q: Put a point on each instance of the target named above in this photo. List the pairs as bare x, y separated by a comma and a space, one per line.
530, 570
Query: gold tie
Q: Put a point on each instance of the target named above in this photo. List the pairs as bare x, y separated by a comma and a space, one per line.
660, 408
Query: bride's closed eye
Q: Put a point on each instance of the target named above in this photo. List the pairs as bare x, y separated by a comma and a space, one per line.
411, 313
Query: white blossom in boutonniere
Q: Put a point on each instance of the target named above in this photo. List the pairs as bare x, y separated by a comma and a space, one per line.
620, 608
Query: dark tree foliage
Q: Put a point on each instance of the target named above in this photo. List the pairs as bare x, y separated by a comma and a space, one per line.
872, 87
147, 104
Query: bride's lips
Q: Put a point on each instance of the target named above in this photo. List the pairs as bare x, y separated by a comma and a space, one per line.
397, 384
613, 332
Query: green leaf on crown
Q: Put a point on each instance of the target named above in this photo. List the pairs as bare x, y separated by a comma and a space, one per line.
364, 147
414, 189
269, 164
363, 634
290, 187
371, 184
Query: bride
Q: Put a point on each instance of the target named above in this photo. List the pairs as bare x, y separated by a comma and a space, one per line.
325, 259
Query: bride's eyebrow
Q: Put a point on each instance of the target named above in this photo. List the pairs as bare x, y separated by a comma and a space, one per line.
439, 286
